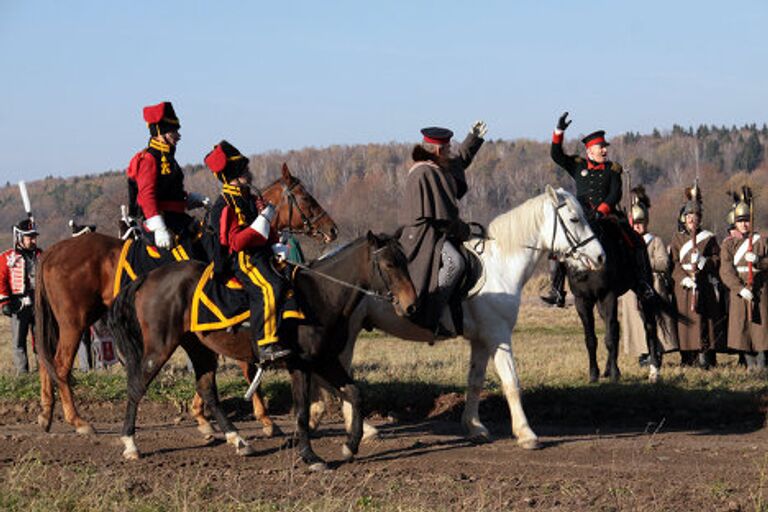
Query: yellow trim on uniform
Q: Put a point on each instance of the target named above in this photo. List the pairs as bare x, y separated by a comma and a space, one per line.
270, 322
293, 314
234, 284
160, 146
199, 297
179, 254
153, 252
233, 190
122, 264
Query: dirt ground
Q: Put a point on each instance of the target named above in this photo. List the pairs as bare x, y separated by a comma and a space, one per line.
423, 465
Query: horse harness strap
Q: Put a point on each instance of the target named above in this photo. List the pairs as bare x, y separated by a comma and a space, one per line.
294, 204
572, 241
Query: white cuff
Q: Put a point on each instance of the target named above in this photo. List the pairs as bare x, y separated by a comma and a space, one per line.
155, 223
261, 226
268, 212
559, 132
701, 263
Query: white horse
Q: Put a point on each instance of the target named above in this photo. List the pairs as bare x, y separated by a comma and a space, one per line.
551, 223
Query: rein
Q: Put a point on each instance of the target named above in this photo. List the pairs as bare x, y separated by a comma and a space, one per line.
293, 203
371, 293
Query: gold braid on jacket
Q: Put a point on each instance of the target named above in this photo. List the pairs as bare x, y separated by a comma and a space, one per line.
241, 202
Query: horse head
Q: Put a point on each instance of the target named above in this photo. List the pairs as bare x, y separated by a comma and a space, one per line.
572, 238
391, 273
297, 209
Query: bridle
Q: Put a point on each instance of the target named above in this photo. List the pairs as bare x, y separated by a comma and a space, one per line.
293, 204
574, 244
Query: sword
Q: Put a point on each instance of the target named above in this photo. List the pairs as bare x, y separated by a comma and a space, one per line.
255, 382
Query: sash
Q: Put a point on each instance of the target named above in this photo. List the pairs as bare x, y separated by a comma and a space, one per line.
741, 251
687, 246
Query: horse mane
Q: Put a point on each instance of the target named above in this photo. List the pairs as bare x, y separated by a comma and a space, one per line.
516, 228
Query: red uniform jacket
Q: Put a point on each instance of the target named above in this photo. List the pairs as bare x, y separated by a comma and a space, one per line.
158, 180
13, 278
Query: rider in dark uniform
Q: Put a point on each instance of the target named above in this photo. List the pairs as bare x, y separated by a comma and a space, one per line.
243, 239
156, 185
598, 189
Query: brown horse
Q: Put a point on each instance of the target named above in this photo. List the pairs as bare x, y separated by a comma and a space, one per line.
75, 287
152, 317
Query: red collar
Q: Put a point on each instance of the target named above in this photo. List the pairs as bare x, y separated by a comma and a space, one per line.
593, 165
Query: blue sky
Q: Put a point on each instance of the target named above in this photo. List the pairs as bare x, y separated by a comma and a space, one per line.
284, 75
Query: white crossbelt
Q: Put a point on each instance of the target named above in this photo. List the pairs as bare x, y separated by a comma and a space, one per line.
741, 251
688, 245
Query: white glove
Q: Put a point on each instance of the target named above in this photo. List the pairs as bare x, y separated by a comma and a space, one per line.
26, 301
750, 257
268, 212
688, 282
261, 225
280, 251
195, 200
701, 263
156, 225
694, 256
479, 129
746, 294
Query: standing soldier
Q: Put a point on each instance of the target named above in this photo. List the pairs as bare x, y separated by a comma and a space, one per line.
598, 189
632, 327
744, 261
433, 229
156, 185
17, 289
696, 262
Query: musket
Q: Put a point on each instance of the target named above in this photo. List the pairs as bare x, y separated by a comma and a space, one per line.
751, 233
695, 266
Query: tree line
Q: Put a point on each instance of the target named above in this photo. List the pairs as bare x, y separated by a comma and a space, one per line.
361, 185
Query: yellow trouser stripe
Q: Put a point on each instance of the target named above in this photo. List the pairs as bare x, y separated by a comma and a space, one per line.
268, 294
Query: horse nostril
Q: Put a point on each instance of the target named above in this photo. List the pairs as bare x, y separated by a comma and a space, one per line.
334, 231
600, 259
410, 310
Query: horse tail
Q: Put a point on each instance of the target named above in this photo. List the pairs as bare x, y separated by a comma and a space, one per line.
125, 327
46, 327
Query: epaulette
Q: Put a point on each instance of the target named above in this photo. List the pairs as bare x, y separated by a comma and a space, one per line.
616, 167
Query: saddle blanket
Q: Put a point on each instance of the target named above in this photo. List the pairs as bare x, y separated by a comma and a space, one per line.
138, 258
218, 305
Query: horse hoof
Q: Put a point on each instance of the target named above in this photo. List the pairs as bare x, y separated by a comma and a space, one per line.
318, 466
347, 454
530, 444
244, 450
206, 429
131, 455
480, 438
85, 430
272, 430
44, 423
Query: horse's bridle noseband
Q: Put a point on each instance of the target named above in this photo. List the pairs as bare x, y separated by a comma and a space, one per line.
574, 244
293, 203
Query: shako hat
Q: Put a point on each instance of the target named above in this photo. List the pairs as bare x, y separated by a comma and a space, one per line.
593, 138
25, 227
437, 135
226, 162
161, 118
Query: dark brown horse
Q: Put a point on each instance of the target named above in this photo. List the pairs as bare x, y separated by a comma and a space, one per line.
75, 288
152, 317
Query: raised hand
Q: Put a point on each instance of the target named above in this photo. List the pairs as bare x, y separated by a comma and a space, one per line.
563, 123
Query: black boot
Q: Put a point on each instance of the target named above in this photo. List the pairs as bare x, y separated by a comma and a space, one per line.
644, 360
556, 295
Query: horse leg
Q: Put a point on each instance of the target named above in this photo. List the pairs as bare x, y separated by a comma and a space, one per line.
470, 418
586, 314
268, 427
609, 311
505, 368
197, 411
205, 362
333, 372
47, 398
69, 340
300, 384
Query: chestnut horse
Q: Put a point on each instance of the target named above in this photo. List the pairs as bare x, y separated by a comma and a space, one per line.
152, 317
75, 281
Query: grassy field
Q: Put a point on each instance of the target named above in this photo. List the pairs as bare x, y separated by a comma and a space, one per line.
403, 378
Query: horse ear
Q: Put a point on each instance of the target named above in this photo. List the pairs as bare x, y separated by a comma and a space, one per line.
372, 239
286, 173
552, 193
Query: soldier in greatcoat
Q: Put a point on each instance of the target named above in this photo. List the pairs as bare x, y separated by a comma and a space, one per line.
632, 327
432, 228
744, 259
695, 266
